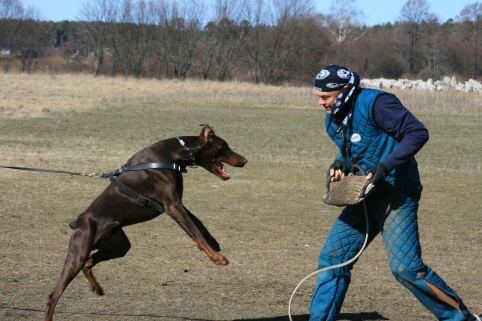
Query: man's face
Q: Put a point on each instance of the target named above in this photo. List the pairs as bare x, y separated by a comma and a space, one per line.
327, 98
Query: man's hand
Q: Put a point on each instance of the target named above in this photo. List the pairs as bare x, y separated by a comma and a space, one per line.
337, 171
378, 173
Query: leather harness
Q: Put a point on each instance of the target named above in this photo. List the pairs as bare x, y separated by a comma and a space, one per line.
112, 176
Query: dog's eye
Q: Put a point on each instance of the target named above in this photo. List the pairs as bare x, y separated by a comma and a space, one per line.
223, 153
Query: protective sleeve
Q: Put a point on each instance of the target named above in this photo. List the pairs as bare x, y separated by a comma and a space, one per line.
397, 121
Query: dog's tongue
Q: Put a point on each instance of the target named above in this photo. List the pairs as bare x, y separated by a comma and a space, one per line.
222, 170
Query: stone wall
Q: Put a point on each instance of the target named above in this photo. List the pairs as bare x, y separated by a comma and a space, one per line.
446, 84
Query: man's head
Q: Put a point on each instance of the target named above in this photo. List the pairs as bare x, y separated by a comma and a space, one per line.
332, 78
329, 83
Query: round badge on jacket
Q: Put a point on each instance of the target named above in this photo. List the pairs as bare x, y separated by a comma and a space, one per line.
355, 138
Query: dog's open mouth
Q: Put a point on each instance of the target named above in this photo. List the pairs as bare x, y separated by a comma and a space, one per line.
221, 170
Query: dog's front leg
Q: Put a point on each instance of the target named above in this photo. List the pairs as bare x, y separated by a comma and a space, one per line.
196, 230
204, 231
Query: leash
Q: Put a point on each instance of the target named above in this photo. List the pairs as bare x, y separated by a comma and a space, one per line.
116, 172
52, 171
112, 176
333, 266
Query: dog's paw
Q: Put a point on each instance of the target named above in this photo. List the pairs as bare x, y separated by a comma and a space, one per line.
98, 290
222, 261
219, 259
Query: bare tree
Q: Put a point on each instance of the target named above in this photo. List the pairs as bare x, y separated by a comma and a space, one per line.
131, 37
22, 33
98, 17
471, 35
274, 41
412, 14
375, 54
11, 9
177, 36
416, 11
250, 50
288, 45
222, 37
344, 20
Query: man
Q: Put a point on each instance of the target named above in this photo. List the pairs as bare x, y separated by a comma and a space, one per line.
374, 130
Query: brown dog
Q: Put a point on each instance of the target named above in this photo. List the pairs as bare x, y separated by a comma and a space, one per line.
154, 176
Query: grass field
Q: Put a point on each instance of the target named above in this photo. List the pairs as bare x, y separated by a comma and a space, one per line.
269, 218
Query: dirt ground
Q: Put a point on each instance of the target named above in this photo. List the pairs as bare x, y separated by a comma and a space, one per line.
269, 218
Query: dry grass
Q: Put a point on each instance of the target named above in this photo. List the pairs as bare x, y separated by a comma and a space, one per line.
269, 219
33, 95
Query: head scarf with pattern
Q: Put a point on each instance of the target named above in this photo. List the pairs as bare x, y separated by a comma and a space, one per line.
335, 77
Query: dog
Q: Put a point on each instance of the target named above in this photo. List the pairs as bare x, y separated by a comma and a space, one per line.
151, 182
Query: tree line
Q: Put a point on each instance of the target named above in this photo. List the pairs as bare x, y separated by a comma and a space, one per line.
272, 41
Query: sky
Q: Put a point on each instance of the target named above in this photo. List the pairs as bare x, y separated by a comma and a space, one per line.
376, 11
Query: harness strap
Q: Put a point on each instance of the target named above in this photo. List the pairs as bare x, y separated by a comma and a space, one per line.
139, 167
144, 200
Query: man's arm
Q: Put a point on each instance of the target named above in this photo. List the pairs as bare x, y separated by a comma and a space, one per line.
398, 122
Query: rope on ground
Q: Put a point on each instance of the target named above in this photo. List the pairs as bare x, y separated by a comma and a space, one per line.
333, 266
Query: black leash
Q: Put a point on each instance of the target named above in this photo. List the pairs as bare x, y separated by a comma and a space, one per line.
116, 172
52, 171
112, 176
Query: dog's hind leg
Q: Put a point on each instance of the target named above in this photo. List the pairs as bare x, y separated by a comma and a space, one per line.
115, 245
79, 248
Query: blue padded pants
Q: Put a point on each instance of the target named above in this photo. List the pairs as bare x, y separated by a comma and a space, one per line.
395, 217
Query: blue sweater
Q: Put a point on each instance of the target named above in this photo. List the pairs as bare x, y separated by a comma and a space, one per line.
398, 122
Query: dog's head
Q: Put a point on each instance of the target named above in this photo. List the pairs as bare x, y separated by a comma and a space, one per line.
215, 152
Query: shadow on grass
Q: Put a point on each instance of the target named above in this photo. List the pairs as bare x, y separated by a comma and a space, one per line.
363, 316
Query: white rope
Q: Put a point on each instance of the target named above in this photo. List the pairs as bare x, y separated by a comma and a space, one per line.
333, 266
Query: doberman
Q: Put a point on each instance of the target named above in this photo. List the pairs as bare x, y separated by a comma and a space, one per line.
154, 176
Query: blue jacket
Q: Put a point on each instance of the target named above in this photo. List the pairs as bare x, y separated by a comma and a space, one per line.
370, 144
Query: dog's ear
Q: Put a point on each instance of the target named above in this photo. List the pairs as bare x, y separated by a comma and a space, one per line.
206, 135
